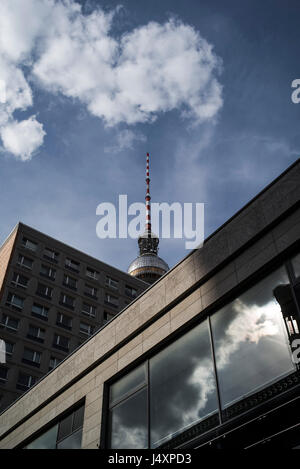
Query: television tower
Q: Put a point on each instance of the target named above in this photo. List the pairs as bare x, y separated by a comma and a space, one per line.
148, 266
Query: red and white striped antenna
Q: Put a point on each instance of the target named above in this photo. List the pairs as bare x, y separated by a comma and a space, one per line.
148, 198
148, 242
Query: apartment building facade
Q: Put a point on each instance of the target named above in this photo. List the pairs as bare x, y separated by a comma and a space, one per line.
52, 298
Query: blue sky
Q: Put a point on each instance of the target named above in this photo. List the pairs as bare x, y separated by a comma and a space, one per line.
218, 121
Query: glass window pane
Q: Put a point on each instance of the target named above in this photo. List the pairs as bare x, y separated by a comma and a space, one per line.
250, 339
65, 427
182, 385
78, 418
45, 441
71, 442
128, 423
296, 265
128, 383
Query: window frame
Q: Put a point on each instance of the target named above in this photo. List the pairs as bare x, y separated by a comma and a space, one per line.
47, 254
91, 308
47, 293
60, 317
5, 323
21, 257
9, 302
16, 280
26, 242
109, 282
56, 422
90, 326
45, 309
51, 272
40, 337
33, 362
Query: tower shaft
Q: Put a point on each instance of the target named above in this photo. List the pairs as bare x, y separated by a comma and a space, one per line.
148, 199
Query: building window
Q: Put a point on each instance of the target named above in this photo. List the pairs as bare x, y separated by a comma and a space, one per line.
67, 301
40, 311
89, 310
70, 282
48, 272
25, 381
51, 255
31, 245
61, 342
3, 374
36, 333
91, 291
65, 434
177, 385
44, 291
20, 280
72, 265
92, 273
108, 316
10, 323
64, 321
54, 361
128, 409
195, 373
111, 300
86, 329
130, 291
111, 283
15, 301
32, 357
245, 330
9, 349
25, 262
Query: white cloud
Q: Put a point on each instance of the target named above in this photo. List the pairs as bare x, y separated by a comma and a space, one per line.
154, 69
23, 138
151, 70
21, 22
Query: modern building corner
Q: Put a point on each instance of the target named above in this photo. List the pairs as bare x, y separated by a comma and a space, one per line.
202, 358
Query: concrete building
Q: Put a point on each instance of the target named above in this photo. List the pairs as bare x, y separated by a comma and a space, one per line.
52, 298
202, 358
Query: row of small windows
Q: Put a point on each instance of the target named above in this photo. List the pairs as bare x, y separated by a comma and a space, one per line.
69, 264
68, 281
42, 312
38, 333
31, 357
24, 381
17, 302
